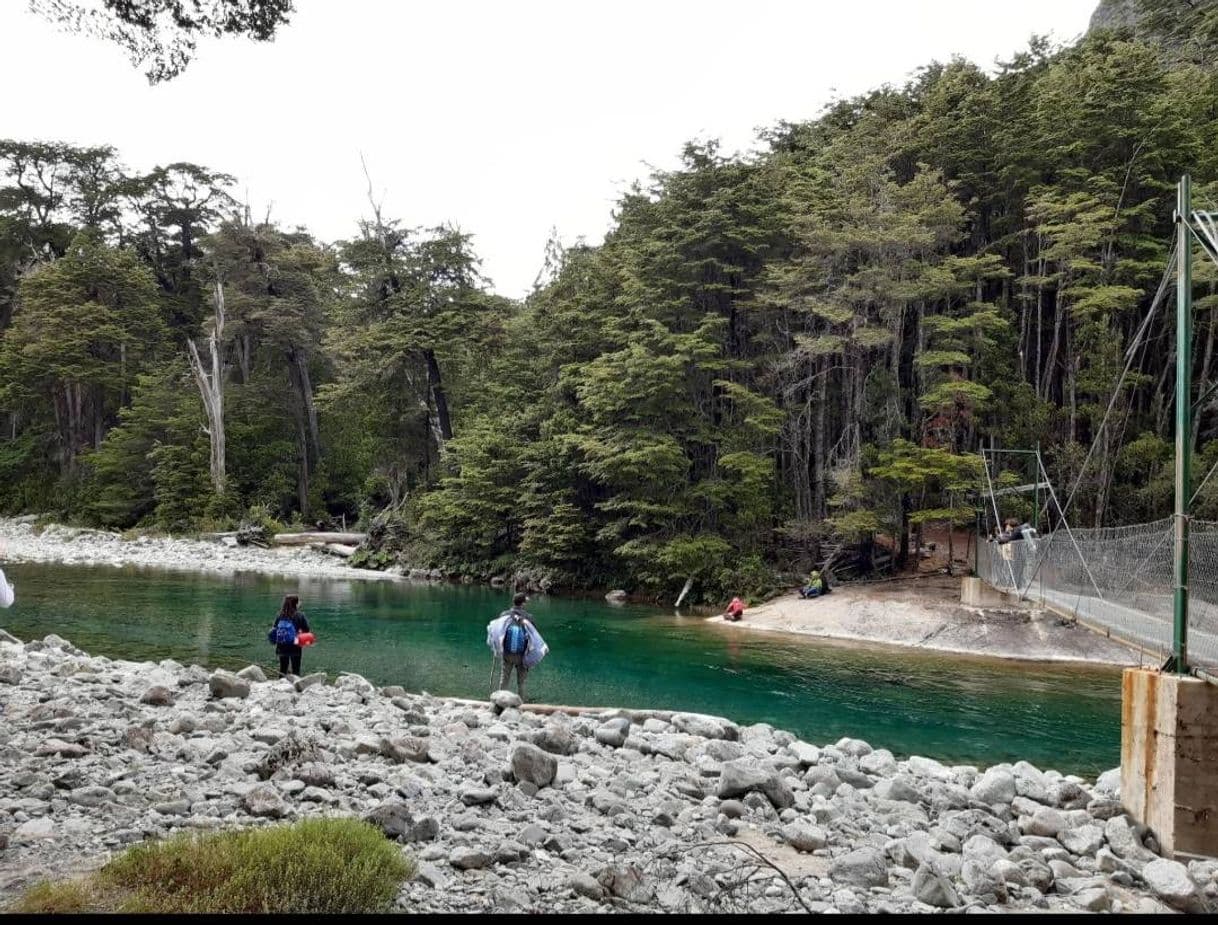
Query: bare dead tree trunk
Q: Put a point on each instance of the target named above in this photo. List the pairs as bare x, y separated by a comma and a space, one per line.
819, 507
439, 399
304, 386
211, 389
302, 471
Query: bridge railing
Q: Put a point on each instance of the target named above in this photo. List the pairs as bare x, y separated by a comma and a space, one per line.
1117, 579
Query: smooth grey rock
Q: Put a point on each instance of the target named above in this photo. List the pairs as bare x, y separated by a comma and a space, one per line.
1170, 881
556, 739
733, 809
804, 837
477, 796
626, 882
393, 817
157, 696
264, 800
465, 858
1125, 840
91, 796
863, 867
33, 830
706, 727
300, 685
1082, 840
226, 684
1094, 899
531, 764
405, 748
505, 700
897, 788
585, 884
995, 786
1046, 822
252, 673
880, 761
934, 890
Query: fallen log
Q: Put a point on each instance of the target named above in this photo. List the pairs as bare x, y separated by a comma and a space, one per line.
337, 549
308, 539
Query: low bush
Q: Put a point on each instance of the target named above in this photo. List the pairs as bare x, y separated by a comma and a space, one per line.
326, 866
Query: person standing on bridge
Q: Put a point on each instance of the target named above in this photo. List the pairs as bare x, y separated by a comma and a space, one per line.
1017, 545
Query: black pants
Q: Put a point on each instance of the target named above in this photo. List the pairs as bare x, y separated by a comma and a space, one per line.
289, 655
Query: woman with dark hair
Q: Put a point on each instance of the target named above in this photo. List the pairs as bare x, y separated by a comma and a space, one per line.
288, 626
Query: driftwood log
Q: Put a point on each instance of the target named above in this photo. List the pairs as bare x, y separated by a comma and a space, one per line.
337, 549
310, 539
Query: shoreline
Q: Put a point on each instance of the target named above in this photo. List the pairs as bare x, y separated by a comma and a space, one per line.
928, 617
60, 545
510, 810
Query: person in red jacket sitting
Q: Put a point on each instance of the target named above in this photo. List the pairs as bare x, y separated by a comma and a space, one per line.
735, 610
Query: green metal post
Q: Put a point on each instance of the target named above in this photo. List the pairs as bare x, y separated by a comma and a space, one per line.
1184, 416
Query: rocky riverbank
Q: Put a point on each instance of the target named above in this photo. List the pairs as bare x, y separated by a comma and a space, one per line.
510, 810
76, 546
927, 614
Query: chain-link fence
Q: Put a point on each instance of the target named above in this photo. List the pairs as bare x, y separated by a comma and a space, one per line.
1119, 579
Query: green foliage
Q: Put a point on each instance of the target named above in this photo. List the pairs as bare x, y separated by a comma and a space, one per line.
317, 866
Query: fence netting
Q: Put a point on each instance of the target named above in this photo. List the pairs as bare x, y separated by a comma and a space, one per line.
1119, 579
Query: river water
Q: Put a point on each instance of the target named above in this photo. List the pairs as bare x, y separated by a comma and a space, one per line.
433, 638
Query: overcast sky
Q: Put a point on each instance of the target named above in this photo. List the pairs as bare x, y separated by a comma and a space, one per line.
504, 117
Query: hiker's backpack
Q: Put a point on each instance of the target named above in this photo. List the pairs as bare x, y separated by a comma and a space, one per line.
284, 633
515, 638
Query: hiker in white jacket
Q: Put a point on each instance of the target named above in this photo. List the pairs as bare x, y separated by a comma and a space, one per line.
514, 639
6, 590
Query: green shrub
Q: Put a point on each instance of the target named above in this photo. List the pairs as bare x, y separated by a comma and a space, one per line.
326, 866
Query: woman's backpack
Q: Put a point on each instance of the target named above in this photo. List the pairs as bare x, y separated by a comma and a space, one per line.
283, 633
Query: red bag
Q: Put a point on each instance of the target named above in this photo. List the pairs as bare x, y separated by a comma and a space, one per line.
305, 639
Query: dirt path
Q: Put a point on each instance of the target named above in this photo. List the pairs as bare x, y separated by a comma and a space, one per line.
927, 614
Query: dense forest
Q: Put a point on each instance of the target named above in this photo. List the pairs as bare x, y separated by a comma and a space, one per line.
767, 353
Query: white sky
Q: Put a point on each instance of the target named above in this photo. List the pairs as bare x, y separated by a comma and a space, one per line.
504, 117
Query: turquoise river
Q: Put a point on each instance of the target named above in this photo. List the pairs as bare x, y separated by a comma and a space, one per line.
433, 638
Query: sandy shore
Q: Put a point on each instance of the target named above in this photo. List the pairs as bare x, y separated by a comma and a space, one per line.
23, 542
927, 614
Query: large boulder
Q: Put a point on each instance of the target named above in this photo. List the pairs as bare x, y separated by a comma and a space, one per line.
614, 732
404, 748
804, 837
556, 739
530, 764
996, 785
1082, 839
393, 817
264, 800
933, 889
863, 867
252, 673
226, 684
504, 700
745, 775
157, 696
707, 727
1171, 882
